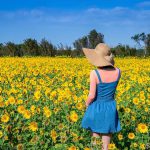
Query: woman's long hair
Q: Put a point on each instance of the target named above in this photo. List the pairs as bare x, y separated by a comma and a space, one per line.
106, 67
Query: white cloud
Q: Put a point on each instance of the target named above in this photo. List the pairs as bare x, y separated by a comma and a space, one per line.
116, 9
118, 23
118, 16
36, 15
122, 15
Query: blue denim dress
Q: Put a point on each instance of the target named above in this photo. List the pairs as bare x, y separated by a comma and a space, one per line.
101, 116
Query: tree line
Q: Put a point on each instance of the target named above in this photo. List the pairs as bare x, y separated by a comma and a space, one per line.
30, 47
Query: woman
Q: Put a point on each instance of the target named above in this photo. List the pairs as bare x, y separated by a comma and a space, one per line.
101, 116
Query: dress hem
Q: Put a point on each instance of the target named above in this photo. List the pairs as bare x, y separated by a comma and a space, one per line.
101, 131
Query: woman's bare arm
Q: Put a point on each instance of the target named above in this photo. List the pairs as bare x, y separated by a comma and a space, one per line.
92, 90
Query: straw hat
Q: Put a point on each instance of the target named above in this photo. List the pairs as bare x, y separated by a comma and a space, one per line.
100, 56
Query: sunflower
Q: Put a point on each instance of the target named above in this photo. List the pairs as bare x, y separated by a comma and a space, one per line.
127, 110
37, 95
20, 101
2, 104
120, 136
61, 126
1, 133
47, 112
135, 145
142, 146
20, 147
53, 94
32, 108
131, 136
11, 100
136, 101
72, 148
33, 126
79, 106
5, 118
146, 109
74, 116
21, 109
53, 134
27, 114
142, 128
112, 146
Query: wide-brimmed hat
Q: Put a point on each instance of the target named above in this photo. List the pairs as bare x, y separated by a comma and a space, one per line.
100, 56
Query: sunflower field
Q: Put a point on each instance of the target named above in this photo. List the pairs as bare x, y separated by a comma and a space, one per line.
42, 102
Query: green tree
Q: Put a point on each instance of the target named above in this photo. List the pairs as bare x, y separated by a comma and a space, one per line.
81, 42
144, 39
88, 41
1, 49
64, 50
11, 48
47, 48
30, 47
148, 43
95, 38
123, 50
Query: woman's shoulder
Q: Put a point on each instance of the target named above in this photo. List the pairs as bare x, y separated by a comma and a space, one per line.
118, 69
92, 71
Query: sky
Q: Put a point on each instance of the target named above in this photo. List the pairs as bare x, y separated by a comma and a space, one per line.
64, 21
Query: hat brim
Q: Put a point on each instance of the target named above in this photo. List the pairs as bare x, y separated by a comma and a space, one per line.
95, 58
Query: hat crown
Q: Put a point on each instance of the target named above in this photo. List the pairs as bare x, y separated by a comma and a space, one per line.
103, 49
100, 56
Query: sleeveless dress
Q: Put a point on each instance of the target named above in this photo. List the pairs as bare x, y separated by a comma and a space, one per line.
101, 116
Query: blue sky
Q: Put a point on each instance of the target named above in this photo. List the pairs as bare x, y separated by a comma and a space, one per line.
64, 21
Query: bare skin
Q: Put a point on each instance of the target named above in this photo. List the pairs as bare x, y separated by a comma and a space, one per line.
105, 139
